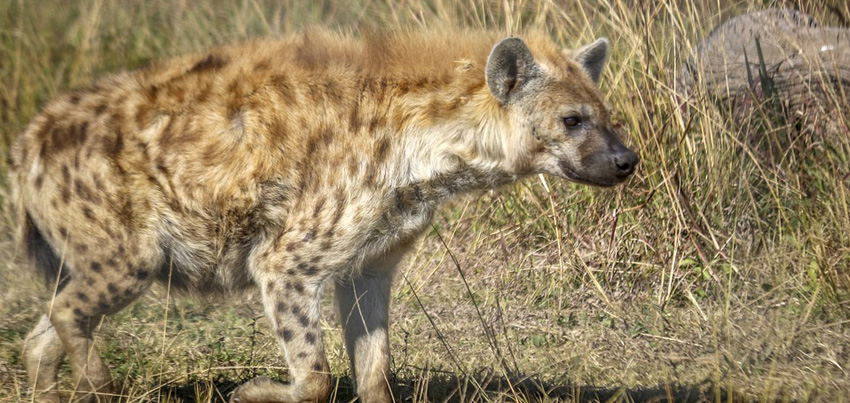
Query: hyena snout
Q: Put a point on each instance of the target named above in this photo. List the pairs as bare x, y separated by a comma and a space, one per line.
606, 166
624, 161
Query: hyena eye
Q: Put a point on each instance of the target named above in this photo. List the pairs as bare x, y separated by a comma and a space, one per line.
572, 122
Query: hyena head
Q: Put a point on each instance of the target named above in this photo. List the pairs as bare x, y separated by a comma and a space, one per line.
556, 107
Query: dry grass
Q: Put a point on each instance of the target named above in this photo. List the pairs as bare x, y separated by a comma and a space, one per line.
717, 273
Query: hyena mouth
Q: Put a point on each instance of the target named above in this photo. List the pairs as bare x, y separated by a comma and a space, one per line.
572, 175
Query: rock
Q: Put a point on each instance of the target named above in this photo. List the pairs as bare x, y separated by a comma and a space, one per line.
779, 57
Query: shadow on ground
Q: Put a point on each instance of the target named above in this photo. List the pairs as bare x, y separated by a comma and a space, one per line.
451, 388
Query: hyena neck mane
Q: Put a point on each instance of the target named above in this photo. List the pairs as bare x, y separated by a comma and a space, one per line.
469, 150
422, 99
449, 132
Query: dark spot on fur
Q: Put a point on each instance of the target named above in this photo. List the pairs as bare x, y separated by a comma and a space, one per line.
161, 166
262, 65
75, 99
211, 62
310, 338
326, 245
114, 147
354, 119
82, 297
382, 150
327, 136
304, 320
125, 213
318, 209
281, 308
66, 194
81, 248
112, 288
332, 90
100, 109
78, 312
81, 132
285, 334
98, 183
84, 192
141, 275
63, 232
341, 199
374, 123
62, 138
312, 146
270, 287
317, 367
47, 127
43, 154
88, 213
290, 247
298, 287
39, 180
89, 281
96, 267
399, 199
285, 90
302, 355
308, 270
315, 259
309, 236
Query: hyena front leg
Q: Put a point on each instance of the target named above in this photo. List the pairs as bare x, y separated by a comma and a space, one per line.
364, 312
42, 354
290, 287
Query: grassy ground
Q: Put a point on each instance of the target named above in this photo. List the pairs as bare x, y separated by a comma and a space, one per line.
720, 272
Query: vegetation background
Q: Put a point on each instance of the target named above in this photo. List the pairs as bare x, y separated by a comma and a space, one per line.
718, 273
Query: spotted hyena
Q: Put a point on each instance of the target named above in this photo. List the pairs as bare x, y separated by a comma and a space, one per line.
281, 165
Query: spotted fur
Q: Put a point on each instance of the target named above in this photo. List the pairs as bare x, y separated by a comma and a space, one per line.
282, 164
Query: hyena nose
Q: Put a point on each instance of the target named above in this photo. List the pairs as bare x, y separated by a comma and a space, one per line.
626, 161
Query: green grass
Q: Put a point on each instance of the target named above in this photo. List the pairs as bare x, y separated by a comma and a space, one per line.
720, 271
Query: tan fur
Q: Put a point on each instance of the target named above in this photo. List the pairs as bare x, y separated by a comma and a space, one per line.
280, 164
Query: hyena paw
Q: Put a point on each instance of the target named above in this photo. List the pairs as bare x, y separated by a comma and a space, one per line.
253, 390
265, 390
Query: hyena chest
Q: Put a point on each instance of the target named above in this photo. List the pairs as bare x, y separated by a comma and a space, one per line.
399, 223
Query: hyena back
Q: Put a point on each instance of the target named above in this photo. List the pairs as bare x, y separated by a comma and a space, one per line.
282, 164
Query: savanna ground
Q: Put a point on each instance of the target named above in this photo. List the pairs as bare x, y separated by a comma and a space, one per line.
718, 273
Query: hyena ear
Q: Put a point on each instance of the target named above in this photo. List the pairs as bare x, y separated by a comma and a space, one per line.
592, 57
510, 67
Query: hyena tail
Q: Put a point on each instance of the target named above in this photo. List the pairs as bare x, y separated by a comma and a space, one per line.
46, 261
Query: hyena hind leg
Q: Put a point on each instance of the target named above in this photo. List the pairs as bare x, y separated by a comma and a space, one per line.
78, 311
42, 355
